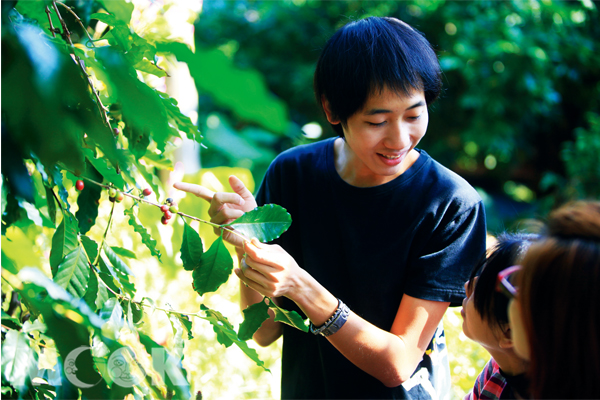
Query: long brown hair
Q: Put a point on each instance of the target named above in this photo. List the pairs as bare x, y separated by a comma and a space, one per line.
559, 292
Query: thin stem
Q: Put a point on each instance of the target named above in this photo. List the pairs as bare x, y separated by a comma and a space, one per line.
50, 21
112, 210
78, 20
67, 36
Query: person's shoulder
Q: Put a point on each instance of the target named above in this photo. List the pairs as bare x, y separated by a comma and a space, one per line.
304, 153
448, 183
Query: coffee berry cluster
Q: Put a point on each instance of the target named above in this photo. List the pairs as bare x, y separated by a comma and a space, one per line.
168, 209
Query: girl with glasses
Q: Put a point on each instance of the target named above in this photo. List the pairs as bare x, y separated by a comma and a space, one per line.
485, 321
555, 316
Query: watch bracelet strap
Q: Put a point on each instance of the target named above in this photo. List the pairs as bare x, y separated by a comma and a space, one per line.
334, 323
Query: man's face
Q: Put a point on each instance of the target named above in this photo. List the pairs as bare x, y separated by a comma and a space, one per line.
380, 137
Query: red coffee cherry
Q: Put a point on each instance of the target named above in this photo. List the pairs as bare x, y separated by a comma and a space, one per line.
79, 185
147, 192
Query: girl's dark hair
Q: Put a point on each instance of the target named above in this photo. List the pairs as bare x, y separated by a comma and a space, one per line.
559, 294
368, 55
506, 252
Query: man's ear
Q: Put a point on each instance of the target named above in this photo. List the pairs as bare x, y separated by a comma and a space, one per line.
505, 340
327, 108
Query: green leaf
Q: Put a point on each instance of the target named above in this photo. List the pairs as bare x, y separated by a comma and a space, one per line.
121, 271
191, 248
146, 238
64, 241
158, 160
182, 122
51, 204
254, 316
109, 277
8, 264
264, 223
168, 367
18, 359
141, 105
96, 294
214, 268
112, 314
90, 246
178, 342
185, 322
68, 321
105, 169
138, 139
11, 322
88, 201
288, 317
74, 272
123, 252
226, 334
121, 9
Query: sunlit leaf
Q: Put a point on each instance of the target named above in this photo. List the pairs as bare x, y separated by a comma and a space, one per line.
123, 252
191, 248
18, 359
120, 270
264, 223
254, 316
182, 122
73, 272
112, 314
68, 321
139, 228
214, 268
8, 264
90, 246
168, 367
105, 169
226, 334
291, 318
121, 9
64, 240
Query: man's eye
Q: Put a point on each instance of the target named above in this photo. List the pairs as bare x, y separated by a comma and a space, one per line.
376, 124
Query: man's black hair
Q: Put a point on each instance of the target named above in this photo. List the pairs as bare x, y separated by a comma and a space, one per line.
366, 56
506, 252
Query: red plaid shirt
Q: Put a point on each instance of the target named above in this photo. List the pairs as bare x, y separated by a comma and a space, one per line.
489, 384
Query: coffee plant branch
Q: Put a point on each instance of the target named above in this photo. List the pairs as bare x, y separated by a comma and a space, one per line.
66, 34
138, 198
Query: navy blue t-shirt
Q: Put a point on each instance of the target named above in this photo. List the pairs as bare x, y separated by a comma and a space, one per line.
419, 234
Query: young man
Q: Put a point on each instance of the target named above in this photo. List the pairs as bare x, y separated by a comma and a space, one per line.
383, 237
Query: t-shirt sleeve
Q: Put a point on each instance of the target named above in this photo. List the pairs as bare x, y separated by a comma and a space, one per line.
445, 262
